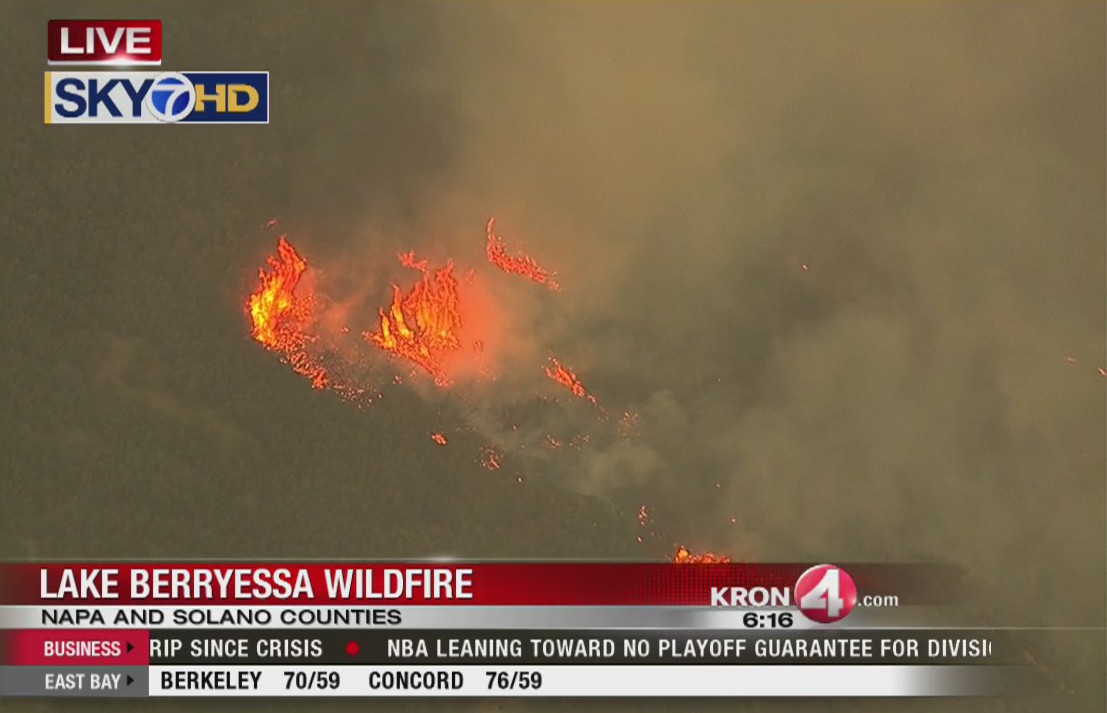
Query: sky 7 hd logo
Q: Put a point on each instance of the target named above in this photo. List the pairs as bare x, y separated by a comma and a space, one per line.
157, 97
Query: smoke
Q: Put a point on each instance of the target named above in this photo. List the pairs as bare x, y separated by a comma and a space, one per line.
844, 263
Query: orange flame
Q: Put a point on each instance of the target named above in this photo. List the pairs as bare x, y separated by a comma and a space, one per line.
515, 264
684, 556
565, 376
422, 325
439, 438
275, 299
278, 314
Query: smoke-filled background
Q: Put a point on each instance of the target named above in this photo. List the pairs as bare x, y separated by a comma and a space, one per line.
843, 260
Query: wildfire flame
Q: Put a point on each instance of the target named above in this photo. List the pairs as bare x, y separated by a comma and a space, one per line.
422, 325
278, 314
684, 556
275, 299
565, 376
523, 265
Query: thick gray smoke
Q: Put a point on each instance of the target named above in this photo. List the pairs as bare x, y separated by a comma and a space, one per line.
845, 262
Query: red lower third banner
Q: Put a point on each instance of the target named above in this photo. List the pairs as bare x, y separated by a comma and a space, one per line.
457, 583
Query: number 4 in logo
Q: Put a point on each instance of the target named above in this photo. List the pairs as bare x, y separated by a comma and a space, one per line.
825, 593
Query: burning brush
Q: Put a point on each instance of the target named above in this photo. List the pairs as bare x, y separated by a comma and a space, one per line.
279, 315
684, 556
422, 324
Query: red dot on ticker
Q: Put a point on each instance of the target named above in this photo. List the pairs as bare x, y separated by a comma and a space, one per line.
352, 648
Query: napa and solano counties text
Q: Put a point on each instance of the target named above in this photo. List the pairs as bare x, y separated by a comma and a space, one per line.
323, 617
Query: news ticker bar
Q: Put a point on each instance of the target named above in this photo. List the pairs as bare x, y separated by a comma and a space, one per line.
525, 662
470, 681
529, 647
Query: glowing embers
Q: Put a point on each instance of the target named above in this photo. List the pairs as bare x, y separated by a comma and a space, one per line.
685, 556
